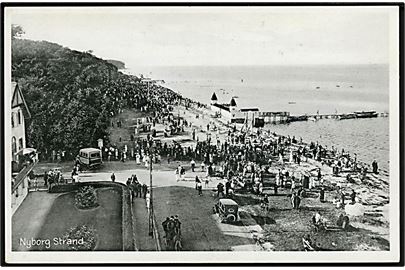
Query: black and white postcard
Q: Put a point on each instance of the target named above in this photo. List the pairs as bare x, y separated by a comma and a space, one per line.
202, 134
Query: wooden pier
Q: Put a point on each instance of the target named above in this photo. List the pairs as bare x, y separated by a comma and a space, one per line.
337, 116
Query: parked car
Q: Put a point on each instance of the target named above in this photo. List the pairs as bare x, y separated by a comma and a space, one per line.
89, 157
227, 210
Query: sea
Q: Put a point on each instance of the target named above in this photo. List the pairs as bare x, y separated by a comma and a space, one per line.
308, 89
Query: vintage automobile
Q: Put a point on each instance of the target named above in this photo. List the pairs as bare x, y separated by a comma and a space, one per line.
227, 210
89, 157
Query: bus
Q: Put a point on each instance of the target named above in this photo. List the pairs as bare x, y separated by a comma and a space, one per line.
89, 157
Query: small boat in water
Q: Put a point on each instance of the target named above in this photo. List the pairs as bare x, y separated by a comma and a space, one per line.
346, 116
366, 114
297, 118
292, 102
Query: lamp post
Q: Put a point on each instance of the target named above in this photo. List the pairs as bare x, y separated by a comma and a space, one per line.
151, 214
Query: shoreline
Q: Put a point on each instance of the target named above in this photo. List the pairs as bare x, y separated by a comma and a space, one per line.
377, 186
373, 193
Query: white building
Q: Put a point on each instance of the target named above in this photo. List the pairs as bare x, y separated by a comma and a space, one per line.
231, 113
20, 168
227, 111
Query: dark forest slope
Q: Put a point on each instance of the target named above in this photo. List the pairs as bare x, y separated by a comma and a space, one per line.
72, 95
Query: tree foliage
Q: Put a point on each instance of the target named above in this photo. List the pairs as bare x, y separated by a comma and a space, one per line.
72, 95
16, 31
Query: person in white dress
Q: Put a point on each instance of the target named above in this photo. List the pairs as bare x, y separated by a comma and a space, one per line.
147, 198
177, 174
280, 159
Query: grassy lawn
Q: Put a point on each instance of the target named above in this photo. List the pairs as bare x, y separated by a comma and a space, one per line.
200, 230
106, 219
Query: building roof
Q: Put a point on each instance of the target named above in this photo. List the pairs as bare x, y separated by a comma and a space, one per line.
227, 202
233, 102
18, 99
214, 97
222, 106
249, 109
88, 150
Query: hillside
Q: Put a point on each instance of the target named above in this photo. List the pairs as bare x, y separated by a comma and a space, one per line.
118, 64
72, 95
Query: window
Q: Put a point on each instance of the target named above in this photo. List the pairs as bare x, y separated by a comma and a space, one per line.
19, 117
14, 145
20, 143
12, 120
95, 155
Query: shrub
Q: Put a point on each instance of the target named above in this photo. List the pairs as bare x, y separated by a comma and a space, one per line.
86, 197
81, 238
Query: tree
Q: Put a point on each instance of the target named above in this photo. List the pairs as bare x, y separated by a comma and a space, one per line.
16, 31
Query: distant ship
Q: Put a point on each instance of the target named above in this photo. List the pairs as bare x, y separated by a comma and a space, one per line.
346, 116
292, 102
366, 114
297, 118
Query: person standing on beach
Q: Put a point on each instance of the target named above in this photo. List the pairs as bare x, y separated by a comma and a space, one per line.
293, 200
220, 189
192, 163
197, 180
375, 167
199, 188
320, 176
353, 196
113, 177
322, 195
144, 190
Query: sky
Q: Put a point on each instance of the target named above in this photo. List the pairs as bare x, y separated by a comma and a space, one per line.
211, 36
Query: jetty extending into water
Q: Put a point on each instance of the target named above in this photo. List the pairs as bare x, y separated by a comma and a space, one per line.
344, 116
286, 117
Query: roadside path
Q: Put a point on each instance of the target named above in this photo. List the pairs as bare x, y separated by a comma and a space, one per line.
140, 221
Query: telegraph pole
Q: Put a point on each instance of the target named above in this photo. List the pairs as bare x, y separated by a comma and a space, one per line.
151, 219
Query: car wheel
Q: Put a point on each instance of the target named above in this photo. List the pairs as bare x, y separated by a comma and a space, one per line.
230, 218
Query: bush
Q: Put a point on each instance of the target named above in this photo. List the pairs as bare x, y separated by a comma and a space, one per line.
86, 197
81, 238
